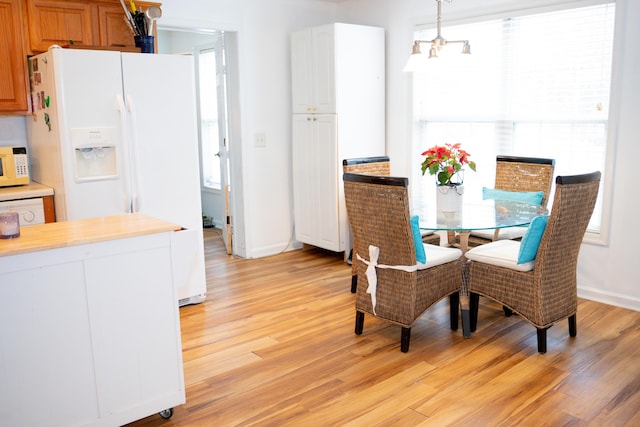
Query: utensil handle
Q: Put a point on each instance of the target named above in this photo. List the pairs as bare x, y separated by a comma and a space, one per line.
129, 17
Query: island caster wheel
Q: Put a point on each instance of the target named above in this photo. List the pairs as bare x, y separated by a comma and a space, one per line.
166, 414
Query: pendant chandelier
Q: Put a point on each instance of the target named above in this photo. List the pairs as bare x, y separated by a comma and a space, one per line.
417, 60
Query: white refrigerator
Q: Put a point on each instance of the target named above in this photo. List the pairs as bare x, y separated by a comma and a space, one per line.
116, 132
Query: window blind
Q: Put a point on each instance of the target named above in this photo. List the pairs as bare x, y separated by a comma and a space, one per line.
536, 85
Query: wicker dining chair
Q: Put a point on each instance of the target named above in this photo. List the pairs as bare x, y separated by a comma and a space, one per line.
542, 291
381, 166
517, 174
378, 165
394, 286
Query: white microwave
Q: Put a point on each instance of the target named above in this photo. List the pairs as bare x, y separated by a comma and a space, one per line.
14, 166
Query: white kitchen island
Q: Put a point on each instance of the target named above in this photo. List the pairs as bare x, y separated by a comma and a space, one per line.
89, 323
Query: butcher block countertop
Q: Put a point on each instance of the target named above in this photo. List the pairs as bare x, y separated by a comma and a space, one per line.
55, 235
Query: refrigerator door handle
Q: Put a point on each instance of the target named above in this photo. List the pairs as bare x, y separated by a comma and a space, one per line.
133, 155
125, 156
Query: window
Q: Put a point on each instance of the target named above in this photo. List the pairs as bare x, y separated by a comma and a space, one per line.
537, 85
209, 124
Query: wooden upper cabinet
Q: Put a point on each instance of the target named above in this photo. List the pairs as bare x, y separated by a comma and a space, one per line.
29, 27
13, 62
114, 31
81, 24
59, 22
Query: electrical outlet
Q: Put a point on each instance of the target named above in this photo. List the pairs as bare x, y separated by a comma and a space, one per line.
261, 140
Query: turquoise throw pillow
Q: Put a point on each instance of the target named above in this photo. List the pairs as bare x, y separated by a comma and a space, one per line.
421, 256
531, 197
531, 239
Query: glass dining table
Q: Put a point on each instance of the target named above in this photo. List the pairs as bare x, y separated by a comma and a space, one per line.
476, 214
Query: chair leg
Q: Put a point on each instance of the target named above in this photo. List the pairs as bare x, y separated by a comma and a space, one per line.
474, 302
507, 311
359, 322
542, 340
573, 326
405, 337
454, 309
354, 283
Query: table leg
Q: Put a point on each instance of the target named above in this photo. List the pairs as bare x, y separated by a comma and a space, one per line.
465, 301
451, 237
463, 245
464, 289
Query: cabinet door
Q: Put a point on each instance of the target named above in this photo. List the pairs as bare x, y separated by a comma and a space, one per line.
59, 22
46, 358
315, 181
13, 69
134, 326
304, 178
301, 72
324, 69
114, 31
313, 70
327, 162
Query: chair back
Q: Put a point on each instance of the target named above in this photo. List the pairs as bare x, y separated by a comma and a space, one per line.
378, 210
378, 165
557, 259
525, 174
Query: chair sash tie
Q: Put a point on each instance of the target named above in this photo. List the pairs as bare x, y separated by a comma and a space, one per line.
372, 278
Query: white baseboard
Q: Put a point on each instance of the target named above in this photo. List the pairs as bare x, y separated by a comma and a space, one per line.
617, 300
274, 249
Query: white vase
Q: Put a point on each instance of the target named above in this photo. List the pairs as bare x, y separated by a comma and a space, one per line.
449, 198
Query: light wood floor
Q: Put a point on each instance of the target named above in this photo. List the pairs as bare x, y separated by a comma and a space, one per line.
274, 345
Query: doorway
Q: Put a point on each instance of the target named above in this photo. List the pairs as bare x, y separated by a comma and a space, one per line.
215, 64
211, 80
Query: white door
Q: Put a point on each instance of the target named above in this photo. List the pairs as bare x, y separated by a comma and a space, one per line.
214, 136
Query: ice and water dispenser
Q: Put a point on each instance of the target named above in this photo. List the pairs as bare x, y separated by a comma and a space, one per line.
95, 153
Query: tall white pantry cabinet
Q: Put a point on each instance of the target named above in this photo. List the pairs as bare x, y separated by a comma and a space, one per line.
338, 103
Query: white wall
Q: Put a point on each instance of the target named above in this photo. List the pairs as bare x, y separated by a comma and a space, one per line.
605, 273
263, 29
608, 273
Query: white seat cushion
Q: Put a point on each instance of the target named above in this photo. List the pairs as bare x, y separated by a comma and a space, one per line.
505, 233
503, 253
437, 255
